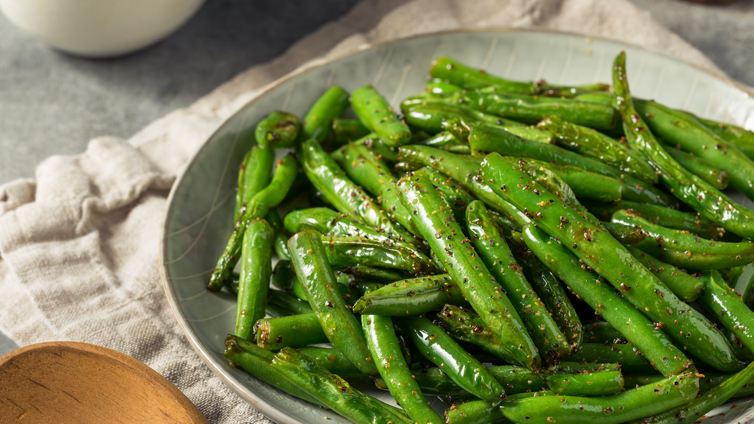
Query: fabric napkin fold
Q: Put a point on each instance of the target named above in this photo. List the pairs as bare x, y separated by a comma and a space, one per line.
79, 244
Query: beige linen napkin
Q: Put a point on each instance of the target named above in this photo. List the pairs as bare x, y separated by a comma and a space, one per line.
79, 245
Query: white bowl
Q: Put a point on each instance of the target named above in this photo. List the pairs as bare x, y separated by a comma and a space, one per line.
199, 216
99, 28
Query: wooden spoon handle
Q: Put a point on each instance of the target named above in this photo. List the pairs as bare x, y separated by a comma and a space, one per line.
69, 382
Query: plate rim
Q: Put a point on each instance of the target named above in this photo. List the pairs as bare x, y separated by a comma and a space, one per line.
269, 410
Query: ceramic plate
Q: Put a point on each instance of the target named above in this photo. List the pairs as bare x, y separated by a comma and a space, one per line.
198, 220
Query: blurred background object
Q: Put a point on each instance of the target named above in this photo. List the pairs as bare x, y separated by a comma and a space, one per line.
96, 28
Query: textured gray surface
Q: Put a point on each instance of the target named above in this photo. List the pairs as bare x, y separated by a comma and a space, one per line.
51, 103
725, 33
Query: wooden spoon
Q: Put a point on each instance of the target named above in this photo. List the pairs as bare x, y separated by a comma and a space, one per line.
68, 382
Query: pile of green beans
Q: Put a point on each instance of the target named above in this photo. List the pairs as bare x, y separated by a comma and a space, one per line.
493, 243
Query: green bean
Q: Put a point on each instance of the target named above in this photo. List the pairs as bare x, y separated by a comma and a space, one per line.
594, 144
743, 283
631, 360
637, 380
257, 207
353, 289
438, 86
279, 129
346, 130
282, 304
712, 399
372, 173
591, 243
550, 341
447, 240
686, 287
377, 115
474, 412
449, 70
553, 295
532, 109
463, 171
632, 404
598, 383
298, 290
253, 176
370, 273
712, 380
374, 143
454, 195
464, 325
692, 136
604, 379
685, 250
569, 367
415, 296
361, 287
334, 361
585, 184
318, 119
715, 176
256, 361
330, 389
632, 324
601, 332
431, 117
387, 355
488, 139
352, 251
458, 364
256, 267
730, 310
441, 140
283, 275
659, 215
433, 382
741, 350
318, 279
327, 221
740, 137
281, 236
340, 191
701, 196
294, 330
232, 283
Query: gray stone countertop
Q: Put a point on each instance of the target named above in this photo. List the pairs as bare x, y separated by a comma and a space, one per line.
51, 103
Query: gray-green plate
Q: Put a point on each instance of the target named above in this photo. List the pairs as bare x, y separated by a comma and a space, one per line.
198, 220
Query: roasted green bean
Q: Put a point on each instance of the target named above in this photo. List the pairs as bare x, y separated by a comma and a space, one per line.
591, 243
437, 225
411, 297
323, 291
330, 105
254, 283
377, 115
253, 176
697, 193
257, 207
387, 356
684, 250
550, 341
458, 364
